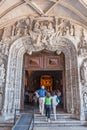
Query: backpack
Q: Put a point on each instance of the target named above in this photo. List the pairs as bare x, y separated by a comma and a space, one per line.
57, 100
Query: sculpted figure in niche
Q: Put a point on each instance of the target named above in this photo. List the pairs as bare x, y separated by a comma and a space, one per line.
7, 33
43, 27
65, 27
72, 30
4, 48
85, 99
84, 73
82, 45
50, 28
20, 27
36, 27
1, 33
26, 31
14, 29
19, 31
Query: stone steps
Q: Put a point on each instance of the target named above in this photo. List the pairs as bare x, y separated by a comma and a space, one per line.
6, 124
63, 119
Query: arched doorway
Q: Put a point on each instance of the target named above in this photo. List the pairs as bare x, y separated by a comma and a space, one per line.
43, 68
15, 69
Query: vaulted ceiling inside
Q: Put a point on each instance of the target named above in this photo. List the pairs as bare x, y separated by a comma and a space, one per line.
75, 10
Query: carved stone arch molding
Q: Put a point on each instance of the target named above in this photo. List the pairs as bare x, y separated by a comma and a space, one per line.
15, 66
83, 79
3, 62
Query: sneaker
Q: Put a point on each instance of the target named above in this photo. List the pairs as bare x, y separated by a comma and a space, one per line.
46, 118
55, 118
49, 120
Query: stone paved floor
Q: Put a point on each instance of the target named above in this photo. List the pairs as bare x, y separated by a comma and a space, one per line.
5, 128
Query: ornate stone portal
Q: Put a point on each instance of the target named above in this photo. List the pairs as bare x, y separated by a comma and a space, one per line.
14, 73
32, 35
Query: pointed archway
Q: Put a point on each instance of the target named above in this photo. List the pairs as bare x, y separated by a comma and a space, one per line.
15, 66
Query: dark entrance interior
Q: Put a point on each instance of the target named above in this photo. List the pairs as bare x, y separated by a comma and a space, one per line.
33, 82
43, 65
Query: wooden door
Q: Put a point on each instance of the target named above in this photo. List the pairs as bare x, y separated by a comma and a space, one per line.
43, 62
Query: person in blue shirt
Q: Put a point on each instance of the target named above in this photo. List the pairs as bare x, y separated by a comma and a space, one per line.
41, 93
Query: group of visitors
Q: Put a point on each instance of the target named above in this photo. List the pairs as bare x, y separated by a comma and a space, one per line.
47, 100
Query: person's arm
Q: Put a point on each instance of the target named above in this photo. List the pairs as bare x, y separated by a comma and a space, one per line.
37, 94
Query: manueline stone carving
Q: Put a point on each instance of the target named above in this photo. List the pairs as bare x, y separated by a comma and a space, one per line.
7, 32
65, 27
4, 48
42, 31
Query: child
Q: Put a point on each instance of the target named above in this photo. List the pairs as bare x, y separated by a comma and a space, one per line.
48, 101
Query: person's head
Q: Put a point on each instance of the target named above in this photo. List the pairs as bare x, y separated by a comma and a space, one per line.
42, 87
48, 94
53, 93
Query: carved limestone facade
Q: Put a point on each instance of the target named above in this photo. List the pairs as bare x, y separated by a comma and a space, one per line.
33, 34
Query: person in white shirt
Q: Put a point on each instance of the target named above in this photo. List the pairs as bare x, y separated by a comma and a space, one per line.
55, 102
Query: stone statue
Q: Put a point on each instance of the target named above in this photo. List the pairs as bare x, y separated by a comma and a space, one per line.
7, 33
84, 73
1, 33
65, 27
26, 31
36, 27
85, 99
82, 45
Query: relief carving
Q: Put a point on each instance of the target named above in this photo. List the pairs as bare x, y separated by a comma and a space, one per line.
41, 30
7, 33
4, 48
65, 27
